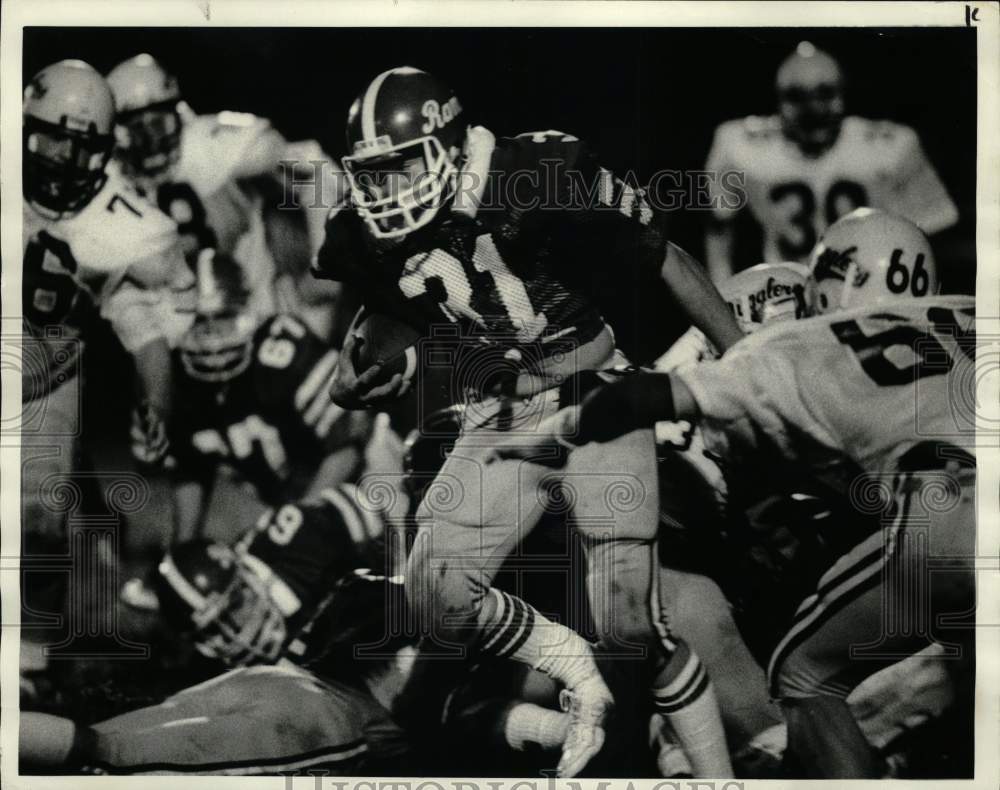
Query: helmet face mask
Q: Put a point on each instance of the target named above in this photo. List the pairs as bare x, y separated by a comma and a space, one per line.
149, 139
405, 137
67, 140
225, 603
810, 98
219, 345
149, 122
242, 626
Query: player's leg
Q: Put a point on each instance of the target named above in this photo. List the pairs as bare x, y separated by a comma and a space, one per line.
49, 433
698, 612
471, 519
613, 488
874, 607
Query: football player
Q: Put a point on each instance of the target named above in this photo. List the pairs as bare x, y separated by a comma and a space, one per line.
254, 399
510, 241
258, 601
810, 164
791, 394
198, 170
265, 719
92, 247
695, 507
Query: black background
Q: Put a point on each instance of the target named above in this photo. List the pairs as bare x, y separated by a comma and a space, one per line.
645, 98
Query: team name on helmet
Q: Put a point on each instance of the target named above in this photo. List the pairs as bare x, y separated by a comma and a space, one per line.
772, 290
439, 115
834, 264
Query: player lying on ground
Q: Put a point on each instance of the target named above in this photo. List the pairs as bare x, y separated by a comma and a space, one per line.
791, 393
438, 231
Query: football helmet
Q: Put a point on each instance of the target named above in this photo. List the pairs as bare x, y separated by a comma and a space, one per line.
219, 345
67, 136
810, 88
426, 448
405, 135
768, 293
871, 256
149, 121
223, 598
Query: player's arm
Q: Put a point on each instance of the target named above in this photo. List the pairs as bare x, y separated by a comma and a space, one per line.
698, 297
720, 243
624, 224
917, 190
191, 497
605, 413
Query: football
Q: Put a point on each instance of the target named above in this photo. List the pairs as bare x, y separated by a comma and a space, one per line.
384, 341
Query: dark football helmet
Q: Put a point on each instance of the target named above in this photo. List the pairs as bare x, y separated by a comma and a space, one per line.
67, 133
222, 598
219, 345
405, 135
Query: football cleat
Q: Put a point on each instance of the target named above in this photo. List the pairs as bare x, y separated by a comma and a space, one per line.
868, 257
588, 706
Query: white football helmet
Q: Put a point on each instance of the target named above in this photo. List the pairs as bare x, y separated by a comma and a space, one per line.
767, 293
871, 256
150, 115
68, 116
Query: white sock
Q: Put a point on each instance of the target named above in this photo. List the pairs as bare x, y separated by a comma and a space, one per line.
528, 723
517, 630
688, 703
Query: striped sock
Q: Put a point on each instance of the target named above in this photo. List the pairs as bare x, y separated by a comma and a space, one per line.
687, 701
517, 630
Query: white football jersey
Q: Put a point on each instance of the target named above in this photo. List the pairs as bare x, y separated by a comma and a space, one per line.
120, 254
204, 196
879, 164
844, 391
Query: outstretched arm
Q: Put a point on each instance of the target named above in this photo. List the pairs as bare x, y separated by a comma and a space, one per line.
632, 403
691, 287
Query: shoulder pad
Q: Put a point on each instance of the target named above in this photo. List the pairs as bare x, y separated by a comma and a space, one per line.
760, 127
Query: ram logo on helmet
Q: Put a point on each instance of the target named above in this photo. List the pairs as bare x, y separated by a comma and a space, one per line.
438, 115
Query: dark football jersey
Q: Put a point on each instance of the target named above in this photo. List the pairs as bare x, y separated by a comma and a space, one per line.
310, 546
274, 423
536, 231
